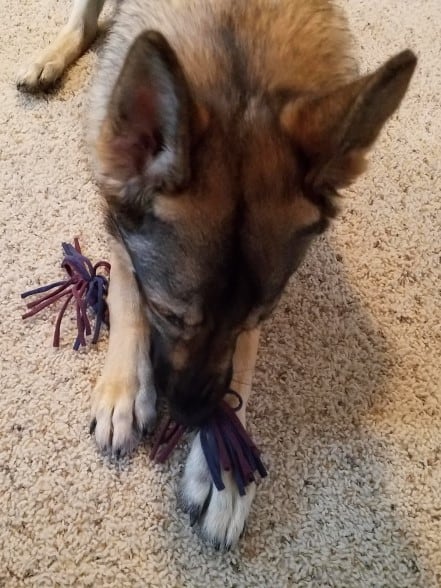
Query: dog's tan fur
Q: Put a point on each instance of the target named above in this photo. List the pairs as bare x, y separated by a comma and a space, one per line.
225, 127
124, 393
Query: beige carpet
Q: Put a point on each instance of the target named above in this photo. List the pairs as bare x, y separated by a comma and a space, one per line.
347, 398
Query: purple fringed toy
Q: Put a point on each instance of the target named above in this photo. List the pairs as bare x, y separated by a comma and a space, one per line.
84, 285
225, 443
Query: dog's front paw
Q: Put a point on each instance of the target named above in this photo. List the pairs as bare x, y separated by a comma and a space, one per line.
39, 75
219, 516
122, 412
48, 66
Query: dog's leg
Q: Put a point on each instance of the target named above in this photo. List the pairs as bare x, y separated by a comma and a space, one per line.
244, 362
74, 38
221, 516
124, 399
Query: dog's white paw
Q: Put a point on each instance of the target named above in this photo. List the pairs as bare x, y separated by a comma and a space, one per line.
220, 516
122, 412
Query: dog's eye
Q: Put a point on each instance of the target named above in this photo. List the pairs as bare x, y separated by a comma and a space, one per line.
174, 320
314, 229
169, 316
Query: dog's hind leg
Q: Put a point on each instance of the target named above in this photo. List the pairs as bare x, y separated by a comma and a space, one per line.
74, 38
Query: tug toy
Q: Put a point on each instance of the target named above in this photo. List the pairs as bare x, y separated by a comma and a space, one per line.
84, 286
225, 443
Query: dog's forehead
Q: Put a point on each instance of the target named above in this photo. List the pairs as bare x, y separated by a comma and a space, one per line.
197, 211
237, 220
253, 167
260, 201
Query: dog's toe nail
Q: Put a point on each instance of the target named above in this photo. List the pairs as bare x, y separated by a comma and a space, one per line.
206, 503
92, 426
218, 545
194, 517
145, 430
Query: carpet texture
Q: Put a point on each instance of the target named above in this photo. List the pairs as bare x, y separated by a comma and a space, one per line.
347, 398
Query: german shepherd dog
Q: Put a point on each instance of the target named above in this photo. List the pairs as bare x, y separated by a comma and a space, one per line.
221, 132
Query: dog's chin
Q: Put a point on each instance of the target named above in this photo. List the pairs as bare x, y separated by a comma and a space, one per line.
192, 408
192, 411
185, 406
192, 419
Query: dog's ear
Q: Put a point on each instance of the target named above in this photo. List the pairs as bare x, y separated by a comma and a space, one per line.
334, 131
147, 134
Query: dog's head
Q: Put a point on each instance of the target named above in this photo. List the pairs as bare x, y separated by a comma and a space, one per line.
217, 209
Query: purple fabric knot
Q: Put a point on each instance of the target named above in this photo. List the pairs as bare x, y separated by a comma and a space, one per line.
226, 444
87, 288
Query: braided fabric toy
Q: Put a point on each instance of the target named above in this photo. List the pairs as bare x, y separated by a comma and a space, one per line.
84, 286
226, 445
